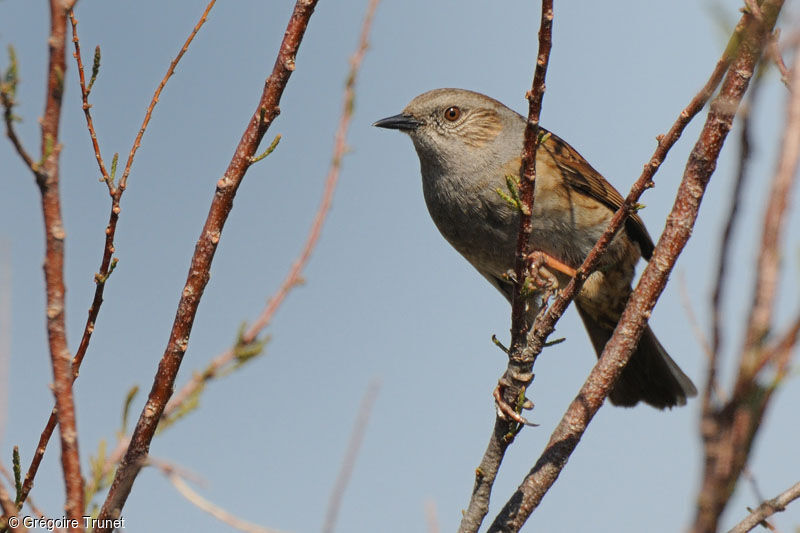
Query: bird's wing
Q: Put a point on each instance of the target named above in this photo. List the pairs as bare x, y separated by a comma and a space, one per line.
583, 178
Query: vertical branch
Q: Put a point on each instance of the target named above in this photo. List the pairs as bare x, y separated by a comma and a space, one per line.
295, 272
107, 264
349, 461
519, 326
768, 266
47, 178
518, 373
729, 429
199, 271
680, 222
250, 336
725, 244
544, 326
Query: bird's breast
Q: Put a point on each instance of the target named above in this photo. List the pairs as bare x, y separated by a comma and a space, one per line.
472, 216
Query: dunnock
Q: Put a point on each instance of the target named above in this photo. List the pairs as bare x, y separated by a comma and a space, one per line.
467, 144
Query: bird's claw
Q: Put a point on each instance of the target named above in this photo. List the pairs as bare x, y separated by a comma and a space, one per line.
540, 259
507, 412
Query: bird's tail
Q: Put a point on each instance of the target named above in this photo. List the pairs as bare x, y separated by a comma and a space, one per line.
651, 375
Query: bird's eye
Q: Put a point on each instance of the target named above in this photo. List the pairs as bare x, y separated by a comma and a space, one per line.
452, 114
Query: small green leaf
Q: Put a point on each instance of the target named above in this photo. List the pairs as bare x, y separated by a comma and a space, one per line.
95, 68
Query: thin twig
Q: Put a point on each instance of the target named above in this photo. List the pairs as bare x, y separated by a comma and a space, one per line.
779, 353
518, 373
774, 51
768, 267
691, 316
767, 509
199, 271
86, 107
430, 517
294, 276
205, 505
353, 447
29, 501
544, 326
751, 478
138, 141
680, 221
8, 117
522, 263
224, 359
728, 430
107, 263
9, 509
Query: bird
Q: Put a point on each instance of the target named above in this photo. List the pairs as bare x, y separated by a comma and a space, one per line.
468, 146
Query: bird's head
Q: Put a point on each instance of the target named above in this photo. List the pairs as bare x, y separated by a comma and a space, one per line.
456, 128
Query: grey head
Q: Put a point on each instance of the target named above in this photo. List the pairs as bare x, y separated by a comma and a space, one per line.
467, 143
459, 131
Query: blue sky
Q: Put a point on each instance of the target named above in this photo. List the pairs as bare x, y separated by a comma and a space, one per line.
385, 296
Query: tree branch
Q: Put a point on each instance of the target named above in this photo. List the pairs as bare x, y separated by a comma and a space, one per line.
723, 257
203, 504
544, 326
729, 429
520, 362
295, 273
47, 177
767, 509
349, 461
680, 221
199, 271
107, 264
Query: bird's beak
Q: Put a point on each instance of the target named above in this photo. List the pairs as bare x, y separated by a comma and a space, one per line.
402, 122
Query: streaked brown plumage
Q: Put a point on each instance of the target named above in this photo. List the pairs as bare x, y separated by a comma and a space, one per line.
467, 144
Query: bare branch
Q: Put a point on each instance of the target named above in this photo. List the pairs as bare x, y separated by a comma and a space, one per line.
199, 271
47, 177
295, 273
768, 267
729, 429
723, 257
9, 510
544, 326
519, 327
107, 263
691, 316
774, 52
229, 356
85, 97
680, 221
767, 509
430, 517
201, 503
349, 461
520, 362
123, 181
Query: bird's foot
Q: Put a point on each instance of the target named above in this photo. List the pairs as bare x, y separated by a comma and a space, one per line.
541, 259
506, 411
